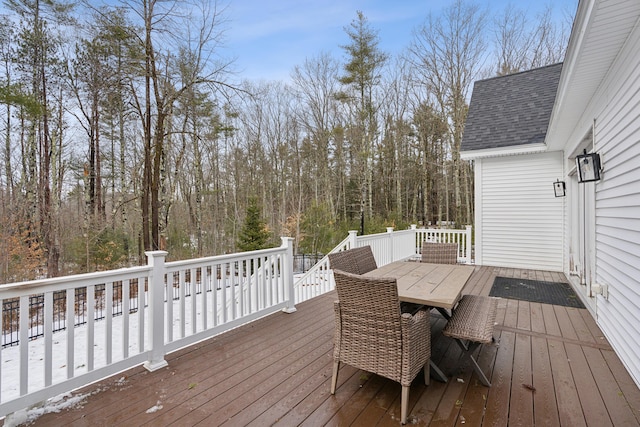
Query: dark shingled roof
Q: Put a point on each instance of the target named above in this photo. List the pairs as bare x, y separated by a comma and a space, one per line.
511, 110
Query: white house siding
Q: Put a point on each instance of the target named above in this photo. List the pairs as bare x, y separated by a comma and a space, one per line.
617, 130
519, 222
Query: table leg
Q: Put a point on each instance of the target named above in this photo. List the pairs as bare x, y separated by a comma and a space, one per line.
435, 370
437, 373
444, 313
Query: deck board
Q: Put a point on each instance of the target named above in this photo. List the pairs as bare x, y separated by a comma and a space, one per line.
551, 325
592, 405
521, 407
524, 315
550, 366
569, 407
618, 406
544, 398
499, 394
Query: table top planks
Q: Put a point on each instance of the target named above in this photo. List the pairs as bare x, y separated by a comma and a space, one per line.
435, 285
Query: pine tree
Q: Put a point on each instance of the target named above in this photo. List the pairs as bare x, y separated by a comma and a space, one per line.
362, 75
254, 234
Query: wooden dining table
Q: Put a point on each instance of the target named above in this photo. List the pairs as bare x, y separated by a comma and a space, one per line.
434, 285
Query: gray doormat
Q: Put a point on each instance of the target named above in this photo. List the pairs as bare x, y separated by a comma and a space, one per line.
556, 293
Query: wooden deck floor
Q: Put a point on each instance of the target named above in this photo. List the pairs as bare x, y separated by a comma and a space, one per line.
551, 367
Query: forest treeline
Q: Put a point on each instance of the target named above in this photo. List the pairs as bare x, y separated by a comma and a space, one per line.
125, 129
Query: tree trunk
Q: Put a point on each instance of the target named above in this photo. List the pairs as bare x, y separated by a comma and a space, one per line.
48, 238
147, 177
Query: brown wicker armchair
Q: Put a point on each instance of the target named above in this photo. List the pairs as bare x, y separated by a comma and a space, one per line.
440, 253
372, 334
364, 259
356, 260
343, 261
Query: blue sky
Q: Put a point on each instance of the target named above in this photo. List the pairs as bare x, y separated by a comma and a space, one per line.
269, 37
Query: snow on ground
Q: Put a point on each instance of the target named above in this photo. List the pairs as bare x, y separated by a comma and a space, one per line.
56, 404
10, 359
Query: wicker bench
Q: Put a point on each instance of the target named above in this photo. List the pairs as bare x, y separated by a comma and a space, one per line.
471, 324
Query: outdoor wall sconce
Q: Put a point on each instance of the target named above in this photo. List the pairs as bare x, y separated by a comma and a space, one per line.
588, 167
559, 188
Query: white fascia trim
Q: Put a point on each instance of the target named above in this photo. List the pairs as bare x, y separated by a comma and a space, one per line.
582, 22
504, 151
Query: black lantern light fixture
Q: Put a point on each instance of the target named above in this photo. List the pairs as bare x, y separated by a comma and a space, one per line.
588, 165
559, 188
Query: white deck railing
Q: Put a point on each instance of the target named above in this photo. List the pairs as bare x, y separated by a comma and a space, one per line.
175, 305
137, 315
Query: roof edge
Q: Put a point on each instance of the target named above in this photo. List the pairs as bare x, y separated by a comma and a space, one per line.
581, 23
504, 151
531, 70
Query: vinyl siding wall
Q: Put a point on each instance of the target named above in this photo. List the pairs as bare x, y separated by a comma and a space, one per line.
617, 112
519, 221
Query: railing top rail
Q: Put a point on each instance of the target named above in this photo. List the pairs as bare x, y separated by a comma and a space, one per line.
100, 277
441, 230
339, 246
407, 231
64, 282
372, 236
237, 256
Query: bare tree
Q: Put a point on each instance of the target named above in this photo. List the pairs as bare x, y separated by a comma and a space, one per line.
322, 161
552, 38
448, 54
521, 46
173, 30
513, 40
86, 72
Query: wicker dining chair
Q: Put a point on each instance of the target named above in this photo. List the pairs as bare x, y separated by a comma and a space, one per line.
344, 261
372, 334
365, 260
439, 253
356, 260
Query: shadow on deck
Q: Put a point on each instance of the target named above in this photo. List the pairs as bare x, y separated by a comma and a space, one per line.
551, 367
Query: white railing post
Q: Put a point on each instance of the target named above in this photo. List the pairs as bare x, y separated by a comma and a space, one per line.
468, 254
155, 360
391, 248
287, 275
353, 234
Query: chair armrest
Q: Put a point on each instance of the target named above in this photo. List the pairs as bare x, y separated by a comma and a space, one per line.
416, 342
337, 330
419, 317
416, 326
